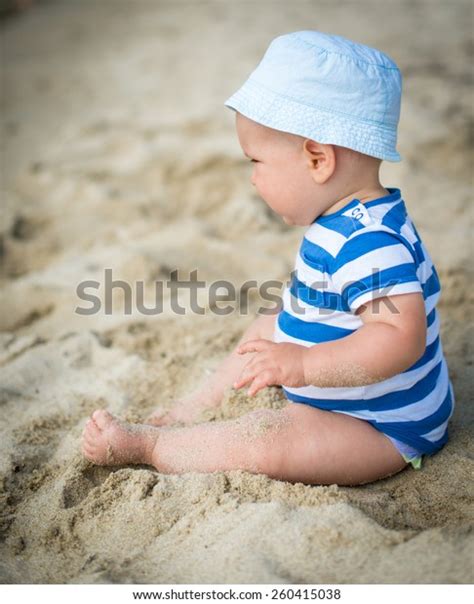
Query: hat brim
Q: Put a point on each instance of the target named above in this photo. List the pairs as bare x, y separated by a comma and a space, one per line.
320, 124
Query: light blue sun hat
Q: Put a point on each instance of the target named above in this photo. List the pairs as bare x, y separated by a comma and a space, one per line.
326, 88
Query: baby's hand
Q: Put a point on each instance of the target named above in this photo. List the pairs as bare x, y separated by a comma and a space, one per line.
274, 364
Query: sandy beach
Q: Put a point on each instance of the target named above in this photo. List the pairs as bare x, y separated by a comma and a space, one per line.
118, 154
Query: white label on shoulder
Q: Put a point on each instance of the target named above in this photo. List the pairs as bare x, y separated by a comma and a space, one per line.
359, 213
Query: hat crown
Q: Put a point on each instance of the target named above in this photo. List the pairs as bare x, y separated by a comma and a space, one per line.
327, 88
337, 44
331, 72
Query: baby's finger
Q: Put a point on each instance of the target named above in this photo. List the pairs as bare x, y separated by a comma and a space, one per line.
251, 369
247, 375
261, 381
254, 346
243, 380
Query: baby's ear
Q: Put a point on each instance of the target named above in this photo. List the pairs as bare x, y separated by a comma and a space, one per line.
321, 160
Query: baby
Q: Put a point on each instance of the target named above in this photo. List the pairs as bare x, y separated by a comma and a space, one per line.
355, 345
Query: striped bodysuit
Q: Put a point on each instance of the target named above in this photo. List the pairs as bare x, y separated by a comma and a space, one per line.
362, 252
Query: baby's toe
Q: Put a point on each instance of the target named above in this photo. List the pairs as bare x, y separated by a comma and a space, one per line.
89, 440
91, 430
88, 451
102, 418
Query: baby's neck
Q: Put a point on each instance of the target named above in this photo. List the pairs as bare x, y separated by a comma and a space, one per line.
363, 194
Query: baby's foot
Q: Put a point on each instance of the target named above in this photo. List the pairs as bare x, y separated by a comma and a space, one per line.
107, 440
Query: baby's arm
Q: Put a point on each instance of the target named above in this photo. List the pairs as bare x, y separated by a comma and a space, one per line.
388, 343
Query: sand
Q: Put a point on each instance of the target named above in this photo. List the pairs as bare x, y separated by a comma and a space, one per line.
119, 154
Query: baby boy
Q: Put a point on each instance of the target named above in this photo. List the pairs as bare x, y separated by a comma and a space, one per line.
355, 345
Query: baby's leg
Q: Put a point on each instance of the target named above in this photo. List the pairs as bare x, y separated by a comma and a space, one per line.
297, 443
210, 393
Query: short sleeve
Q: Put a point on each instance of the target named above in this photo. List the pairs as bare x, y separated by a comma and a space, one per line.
374, 264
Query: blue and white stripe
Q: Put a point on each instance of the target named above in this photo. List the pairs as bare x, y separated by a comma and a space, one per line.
363, 252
